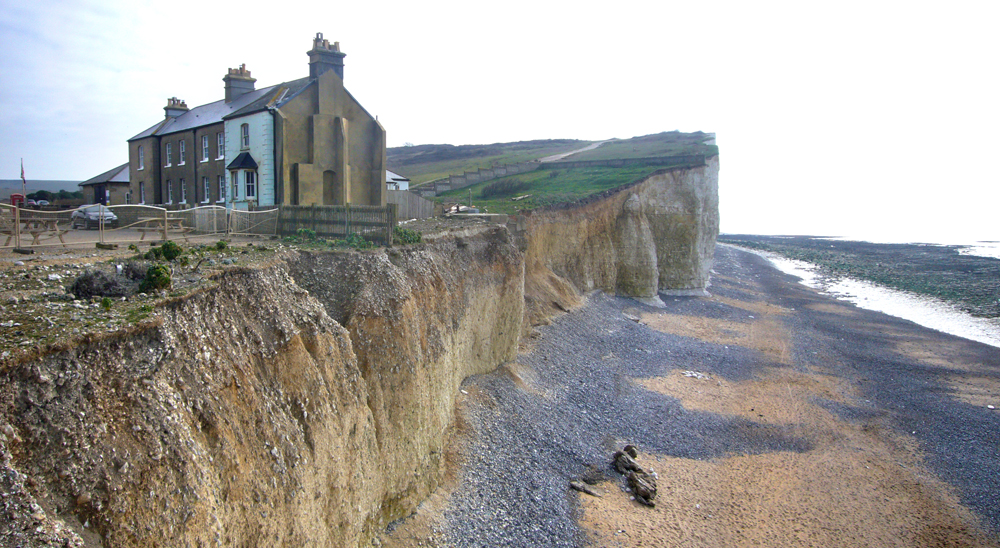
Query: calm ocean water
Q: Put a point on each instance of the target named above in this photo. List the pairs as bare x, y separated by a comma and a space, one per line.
926, 311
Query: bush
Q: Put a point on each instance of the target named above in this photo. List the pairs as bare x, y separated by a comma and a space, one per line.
221, 244
406, 236
307, 234
157, 277
106, 303
135, 270
503, 187
96, 283
169, 251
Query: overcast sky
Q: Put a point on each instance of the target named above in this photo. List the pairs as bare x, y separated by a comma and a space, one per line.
873, 119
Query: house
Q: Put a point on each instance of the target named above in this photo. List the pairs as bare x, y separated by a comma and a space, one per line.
108, 188
307, 141
395, 181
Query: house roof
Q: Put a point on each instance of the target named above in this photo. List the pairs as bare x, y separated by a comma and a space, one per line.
243, 161
279, 95
204, 115
391, 177
119, 174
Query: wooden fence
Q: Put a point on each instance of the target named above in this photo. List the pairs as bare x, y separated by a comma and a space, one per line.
410, 205
375, 223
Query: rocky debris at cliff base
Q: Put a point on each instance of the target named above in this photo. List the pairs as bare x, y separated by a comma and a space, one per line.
642, 484
584, 488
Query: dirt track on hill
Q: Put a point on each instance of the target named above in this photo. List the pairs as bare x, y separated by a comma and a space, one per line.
810, 423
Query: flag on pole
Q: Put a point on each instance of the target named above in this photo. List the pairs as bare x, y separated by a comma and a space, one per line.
22, 171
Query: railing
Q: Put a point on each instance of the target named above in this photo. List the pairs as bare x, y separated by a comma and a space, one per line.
99, 224
123, 224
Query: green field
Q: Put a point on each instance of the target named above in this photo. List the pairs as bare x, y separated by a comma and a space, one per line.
548, 187
424, 163
669, 143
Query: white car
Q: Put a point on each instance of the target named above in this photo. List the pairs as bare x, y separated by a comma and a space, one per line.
89, 216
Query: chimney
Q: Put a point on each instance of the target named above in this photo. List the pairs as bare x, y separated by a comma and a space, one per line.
238, 83
175, 107
324, 57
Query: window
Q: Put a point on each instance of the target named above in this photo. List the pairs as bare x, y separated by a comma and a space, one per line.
208, 188
168, 155
222, 188
250, 177
142, 192
170, 192
245, 136
221, 138
181, 160
184, 192
142, 162
128, 197
204, 148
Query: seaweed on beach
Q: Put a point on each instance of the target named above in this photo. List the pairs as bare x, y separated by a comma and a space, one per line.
971, 282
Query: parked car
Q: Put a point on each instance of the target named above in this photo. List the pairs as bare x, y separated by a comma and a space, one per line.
89, 216
42, 202
30, 202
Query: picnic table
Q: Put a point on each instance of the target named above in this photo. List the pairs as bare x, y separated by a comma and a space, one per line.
156, 224
41, 229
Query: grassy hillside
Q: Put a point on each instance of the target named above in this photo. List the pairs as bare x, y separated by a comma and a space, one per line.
545, 187
423, 163
668, 143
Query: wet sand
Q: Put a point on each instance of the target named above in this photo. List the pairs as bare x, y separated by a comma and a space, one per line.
811, 423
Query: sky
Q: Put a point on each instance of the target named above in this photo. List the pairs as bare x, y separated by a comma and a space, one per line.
872, 119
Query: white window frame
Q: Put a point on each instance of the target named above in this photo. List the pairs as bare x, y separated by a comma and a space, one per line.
182, 152
221, 145
170, 192
208, 189
184, 192
250, 183
222, 189
169, 148
142, 159
128, 197
244, 136
204, 148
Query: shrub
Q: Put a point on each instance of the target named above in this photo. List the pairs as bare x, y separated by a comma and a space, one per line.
106, 303
503, 187
171, 250
135, 270
157, 277
307, 234
97, 283
221, 244
405, 235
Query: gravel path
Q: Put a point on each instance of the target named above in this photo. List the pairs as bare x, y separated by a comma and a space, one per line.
571, 400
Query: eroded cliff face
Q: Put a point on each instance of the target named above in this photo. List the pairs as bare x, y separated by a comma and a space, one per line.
307, 402
301, 403
656, 235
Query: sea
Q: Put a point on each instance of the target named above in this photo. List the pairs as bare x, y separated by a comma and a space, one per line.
920, 309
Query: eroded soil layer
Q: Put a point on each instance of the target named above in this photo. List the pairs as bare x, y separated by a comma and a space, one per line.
772, 416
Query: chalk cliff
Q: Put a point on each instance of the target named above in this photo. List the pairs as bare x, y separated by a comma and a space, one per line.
246, 415
657, 235
307, 401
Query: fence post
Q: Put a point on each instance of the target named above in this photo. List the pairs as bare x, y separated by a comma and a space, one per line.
164, 224
347, 221
17, 226
392, 217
